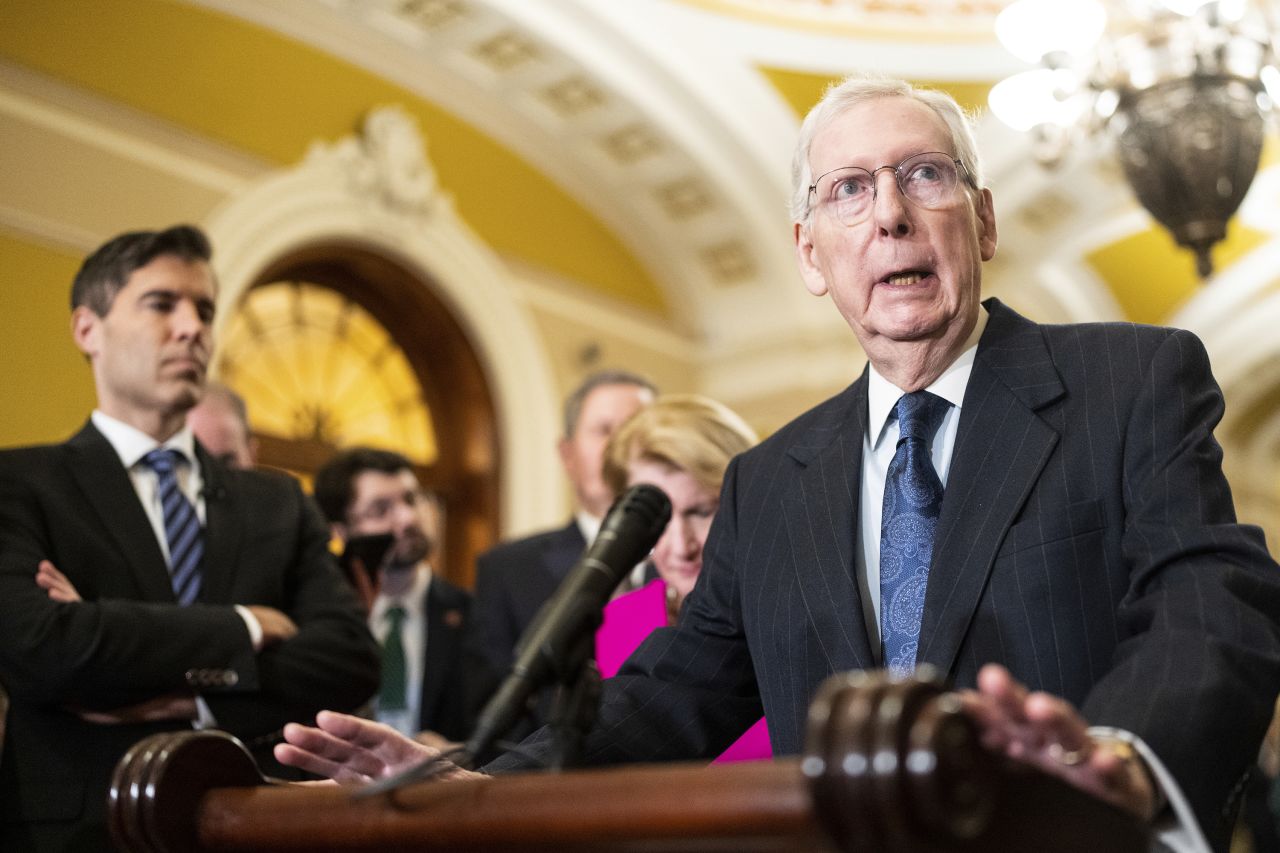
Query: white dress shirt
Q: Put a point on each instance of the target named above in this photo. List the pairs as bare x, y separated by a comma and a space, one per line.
588, 525
879, 444
131, 444
413, 635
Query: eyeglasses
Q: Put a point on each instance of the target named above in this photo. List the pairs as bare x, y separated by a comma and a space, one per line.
382, 508
928, 179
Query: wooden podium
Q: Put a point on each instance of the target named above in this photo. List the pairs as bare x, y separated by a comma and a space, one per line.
889, 767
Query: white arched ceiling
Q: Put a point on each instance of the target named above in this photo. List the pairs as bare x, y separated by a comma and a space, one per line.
591, 102
654, 115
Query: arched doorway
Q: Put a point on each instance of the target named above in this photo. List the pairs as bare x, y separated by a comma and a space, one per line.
335, 345
357, 216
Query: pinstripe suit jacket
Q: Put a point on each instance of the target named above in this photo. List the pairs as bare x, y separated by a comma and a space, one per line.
1087, 541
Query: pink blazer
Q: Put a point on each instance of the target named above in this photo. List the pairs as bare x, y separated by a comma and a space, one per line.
628, 619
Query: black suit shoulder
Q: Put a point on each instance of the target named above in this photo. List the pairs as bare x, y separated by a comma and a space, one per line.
35, 462
449, 594
803, 437
20, 457
513, 580
252, 484
1078, 350
517, 553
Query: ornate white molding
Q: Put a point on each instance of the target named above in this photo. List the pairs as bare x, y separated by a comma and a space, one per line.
378, 191
387, 162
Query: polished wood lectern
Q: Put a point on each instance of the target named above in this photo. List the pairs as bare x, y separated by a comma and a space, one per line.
890, 767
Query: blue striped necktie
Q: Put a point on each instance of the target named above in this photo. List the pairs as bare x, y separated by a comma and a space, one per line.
181, 526
912, 501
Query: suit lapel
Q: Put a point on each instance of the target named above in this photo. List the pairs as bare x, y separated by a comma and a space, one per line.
820, 511
106, 487
223, 507
443, 621
1001, 447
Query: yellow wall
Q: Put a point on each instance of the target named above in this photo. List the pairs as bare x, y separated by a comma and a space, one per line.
48, 390
567, 341
257, 93
270, 96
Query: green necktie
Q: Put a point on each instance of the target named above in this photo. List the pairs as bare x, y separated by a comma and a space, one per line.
394, 669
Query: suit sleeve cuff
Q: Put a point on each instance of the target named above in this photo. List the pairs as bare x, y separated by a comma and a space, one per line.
251, 622
1175, 826
204, 716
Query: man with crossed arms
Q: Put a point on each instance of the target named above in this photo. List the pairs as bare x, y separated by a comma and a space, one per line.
145, 587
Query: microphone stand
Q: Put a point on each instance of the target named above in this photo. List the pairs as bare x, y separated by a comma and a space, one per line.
574, 708
576, 702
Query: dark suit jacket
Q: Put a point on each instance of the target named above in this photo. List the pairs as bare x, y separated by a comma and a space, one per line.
129, 641
443, 707
1087, 541
513, 580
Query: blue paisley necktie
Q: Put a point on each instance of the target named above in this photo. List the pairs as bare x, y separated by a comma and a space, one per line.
912, 500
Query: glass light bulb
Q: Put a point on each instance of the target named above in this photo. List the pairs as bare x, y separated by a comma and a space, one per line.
1033, 29
1185, 7
1039, 97
1271, 82
1228, 10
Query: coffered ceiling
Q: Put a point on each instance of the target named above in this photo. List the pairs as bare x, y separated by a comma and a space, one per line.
639, 148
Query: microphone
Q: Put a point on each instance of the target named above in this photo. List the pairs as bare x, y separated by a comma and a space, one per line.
630, 530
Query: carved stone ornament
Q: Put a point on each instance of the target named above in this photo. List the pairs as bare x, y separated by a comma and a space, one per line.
387, 162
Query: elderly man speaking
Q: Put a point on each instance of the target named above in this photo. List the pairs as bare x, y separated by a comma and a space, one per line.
1038, 512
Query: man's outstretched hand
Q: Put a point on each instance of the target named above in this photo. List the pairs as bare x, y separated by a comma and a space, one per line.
1048, 733
350, 749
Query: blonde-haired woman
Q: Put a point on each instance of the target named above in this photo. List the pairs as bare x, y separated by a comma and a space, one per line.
682, 444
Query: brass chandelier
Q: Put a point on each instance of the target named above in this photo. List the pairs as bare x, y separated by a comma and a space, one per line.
1183, 87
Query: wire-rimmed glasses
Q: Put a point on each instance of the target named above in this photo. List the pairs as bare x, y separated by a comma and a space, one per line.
928, 180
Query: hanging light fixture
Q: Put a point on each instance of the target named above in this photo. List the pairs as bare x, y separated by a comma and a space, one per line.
1184, 87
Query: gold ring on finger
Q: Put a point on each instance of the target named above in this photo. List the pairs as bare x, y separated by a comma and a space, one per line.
1067, 757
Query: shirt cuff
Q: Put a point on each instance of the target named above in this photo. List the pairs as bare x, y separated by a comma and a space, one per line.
251, 622
204, 716
1175, 827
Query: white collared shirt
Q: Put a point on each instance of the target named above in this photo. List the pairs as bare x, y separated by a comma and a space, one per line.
588, 525
879, 444
413, 634
131, 444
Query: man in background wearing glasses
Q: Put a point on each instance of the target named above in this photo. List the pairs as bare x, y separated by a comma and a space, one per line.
418, 617
1038, 512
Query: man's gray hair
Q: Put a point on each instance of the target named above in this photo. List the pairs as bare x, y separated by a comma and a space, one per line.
855, 90
573, 403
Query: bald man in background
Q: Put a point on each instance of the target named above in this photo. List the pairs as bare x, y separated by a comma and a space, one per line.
220, 422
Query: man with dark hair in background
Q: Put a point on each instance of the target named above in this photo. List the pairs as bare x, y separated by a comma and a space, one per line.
417, 616
145, 587
515, 578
